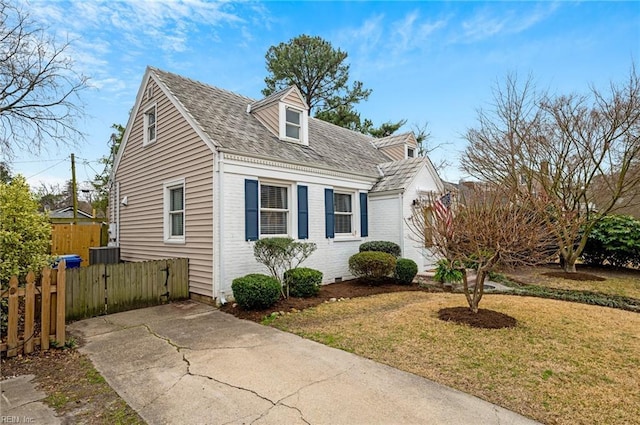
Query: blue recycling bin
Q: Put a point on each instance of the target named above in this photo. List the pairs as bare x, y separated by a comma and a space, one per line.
72, 261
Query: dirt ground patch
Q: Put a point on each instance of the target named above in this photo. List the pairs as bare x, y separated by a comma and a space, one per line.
486, 319
74, 388
575, 276
333, 292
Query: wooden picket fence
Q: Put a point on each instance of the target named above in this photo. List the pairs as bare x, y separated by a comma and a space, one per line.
52, 312
79, 293
110, 288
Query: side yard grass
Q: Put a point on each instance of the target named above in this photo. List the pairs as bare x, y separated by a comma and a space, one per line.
621, 283
564, 363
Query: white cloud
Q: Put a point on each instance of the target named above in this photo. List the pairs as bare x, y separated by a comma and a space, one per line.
488, 23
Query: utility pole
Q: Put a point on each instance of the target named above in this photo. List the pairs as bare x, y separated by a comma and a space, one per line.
74, 188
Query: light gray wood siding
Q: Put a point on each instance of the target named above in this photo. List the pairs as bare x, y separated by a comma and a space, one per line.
177, 153
269, 117
395, 152
294, 100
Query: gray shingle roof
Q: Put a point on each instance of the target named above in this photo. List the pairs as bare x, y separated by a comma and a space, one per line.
222, 116
398, 174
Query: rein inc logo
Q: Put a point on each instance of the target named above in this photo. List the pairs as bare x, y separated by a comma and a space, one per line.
17, 420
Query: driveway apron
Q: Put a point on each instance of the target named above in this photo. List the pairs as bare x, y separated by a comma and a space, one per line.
190, 363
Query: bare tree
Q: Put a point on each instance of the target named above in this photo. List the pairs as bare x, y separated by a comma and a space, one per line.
39, 89
576, 153
425, 147
489, 227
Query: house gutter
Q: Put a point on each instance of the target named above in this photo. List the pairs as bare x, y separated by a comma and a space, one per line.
401, 222
367, 177
221, 273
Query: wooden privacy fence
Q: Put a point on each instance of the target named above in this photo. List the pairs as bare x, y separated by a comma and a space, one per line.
23, 314
75, 239
110, 288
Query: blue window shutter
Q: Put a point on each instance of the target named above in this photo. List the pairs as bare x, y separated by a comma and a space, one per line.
364, 216
251, 210
328, 213
303, 213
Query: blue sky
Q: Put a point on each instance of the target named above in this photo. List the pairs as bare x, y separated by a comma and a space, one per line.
433, 62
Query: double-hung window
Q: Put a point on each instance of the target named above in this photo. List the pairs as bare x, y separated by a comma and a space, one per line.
174, 209
150, 125
293, 123
343, 212
274, 210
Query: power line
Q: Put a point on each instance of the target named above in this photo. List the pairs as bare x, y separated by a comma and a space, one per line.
48, 168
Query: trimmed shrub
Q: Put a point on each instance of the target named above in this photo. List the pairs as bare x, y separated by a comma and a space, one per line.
406, 270
256, 291
372, 265
303, 282
446, 273
616, 240
381, 246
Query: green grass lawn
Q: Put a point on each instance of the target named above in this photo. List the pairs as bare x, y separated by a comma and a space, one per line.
564, 363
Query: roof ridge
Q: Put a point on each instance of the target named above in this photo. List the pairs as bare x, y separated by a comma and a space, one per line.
191, 80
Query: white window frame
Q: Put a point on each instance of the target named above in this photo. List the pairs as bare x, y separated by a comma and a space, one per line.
354, 213
146, 140
288, 211
411, 148
167, 188
304, 124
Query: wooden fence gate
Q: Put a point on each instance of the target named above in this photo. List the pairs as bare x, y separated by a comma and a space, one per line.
110, 288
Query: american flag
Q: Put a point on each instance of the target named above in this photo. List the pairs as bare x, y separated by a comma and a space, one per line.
442, 208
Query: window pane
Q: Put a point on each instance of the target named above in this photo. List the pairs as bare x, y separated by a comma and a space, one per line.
343, 223
342, 202
273, 223
293, 131
151, 118
176, 199
177, 224
293, 116
152, 132
410, 153
273, 197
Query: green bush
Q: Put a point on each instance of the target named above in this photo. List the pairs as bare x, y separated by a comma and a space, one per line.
372, 265
406, 270
616, 240
381, 246
303, 282
255, 291
446, 272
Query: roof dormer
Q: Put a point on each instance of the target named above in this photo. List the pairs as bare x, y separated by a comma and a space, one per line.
398, 146
285, 114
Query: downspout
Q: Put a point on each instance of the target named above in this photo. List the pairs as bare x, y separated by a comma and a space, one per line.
117, 213
221, 275
401, 223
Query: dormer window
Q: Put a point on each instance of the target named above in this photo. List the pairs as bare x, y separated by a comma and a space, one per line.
293, 123
411, 152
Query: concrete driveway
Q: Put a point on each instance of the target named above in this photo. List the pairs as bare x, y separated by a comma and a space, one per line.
190, 363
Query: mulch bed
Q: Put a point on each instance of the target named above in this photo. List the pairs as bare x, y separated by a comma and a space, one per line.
359, 288
486, 319
580, 276
340, 290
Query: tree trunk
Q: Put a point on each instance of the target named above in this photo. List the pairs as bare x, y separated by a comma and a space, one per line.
568, 261
570, 266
